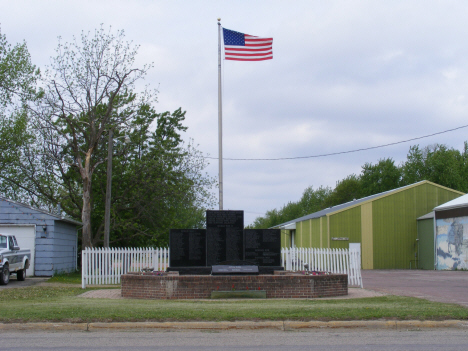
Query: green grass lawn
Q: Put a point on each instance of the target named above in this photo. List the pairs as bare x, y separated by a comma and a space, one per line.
66, 278
57, 304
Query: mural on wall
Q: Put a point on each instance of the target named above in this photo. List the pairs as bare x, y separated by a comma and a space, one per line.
452, 243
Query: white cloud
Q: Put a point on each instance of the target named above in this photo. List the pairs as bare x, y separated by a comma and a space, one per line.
345, 75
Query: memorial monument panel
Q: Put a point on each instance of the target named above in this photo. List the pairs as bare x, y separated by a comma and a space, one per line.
187, 247
224, 236
263, 246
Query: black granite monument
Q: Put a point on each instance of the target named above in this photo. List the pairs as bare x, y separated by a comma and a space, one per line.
225, 247
263, 246
188, 247
224, 236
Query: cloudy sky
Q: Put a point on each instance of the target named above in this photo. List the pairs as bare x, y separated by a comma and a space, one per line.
345, 75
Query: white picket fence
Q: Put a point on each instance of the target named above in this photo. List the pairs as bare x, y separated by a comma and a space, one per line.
342, 261
101, 266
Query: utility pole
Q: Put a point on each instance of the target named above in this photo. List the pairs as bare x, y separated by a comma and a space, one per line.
108, 188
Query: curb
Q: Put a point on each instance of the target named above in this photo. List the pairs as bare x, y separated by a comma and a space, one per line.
43, 326
247, 325
396, 325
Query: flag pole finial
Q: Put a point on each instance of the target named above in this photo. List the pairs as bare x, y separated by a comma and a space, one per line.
219, 19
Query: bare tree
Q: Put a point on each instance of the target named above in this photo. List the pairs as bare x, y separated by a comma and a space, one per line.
89, 89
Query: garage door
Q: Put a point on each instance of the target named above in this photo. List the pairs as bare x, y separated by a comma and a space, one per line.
26, 237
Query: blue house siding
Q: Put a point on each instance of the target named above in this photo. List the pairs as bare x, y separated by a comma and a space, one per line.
56, 247
65, 247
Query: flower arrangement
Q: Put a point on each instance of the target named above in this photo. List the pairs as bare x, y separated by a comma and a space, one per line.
159, 273
314, 273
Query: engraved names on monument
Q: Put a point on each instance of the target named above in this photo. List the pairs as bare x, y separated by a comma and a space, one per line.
224, 236
188, 247
224, 240
263, 246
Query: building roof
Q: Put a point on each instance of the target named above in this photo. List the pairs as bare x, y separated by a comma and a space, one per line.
427, 216
461, 201
57, 217
353, 203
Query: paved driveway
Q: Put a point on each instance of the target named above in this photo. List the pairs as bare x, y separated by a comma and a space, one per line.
21, 284
442, 286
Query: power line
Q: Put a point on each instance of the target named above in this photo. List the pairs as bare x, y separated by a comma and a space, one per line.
337, 153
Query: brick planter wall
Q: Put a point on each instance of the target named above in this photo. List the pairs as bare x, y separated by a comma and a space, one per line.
287, 286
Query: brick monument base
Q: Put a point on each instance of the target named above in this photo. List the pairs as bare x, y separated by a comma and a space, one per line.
283, 285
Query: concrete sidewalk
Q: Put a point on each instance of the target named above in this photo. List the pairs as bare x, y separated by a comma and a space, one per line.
353, 293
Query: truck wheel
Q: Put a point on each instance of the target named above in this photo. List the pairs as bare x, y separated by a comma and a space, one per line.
21, 275
5, 275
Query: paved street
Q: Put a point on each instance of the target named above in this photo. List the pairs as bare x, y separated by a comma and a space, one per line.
339, 339
441, 286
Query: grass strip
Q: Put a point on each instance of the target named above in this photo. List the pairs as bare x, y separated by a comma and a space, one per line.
66, 278
59, 304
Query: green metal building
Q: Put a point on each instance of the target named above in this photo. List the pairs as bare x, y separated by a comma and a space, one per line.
384, 224
426, 241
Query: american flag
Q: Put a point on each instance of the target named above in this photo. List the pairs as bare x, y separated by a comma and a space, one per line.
243, 47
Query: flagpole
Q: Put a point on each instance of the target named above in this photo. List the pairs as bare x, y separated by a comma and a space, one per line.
220, 121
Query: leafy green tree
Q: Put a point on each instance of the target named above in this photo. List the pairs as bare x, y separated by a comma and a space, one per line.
291, 210
18, 76
464, 168
311, 201
383, 176
439, 164
444, 166
18, 79
414, 169
271, 218
346, 190
314, 200
157, 184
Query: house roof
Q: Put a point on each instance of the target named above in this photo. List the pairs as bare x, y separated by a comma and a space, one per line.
54, 215
461, 201
353, 203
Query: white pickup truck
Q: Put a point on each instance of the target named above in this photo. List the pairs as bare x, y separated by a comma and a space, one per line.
12, 259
